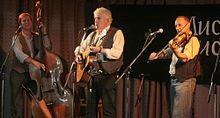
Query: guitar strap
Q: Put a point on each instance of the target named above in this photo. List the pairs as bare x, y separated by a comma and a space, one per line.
92, 42
95, 42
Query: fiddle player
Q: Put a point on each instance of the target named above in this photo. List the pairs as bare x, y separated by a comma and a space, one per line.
184, 68
25, 48
109, 42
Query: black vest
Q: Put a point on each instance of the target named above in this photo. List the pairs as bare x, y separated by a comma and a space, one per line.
22, 67
189, 69
110, 65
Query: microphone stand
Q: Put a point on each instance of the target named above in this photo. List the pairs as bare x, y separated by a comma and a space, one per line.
73, 89
127, 73
212, 84
2, 75
71, 70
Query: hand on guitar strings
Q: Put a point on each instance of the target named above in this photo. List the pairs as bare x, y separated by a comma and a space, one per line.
95, 49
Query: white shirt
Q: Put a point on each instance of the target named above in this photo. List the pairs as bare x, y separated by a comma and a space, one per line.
18, 49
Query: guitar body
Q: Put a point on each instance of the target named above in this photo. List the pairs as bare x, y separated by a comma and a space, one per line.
83, 68
82, 74
95, 62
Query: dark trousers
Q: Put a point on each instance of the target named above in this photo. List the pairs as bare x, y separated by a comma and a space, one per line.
101, 87
16, 81
17, 108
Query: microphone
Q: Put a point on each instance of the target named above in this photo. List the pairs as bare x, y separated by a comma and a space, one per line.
16, 35
18, 30
92, 27
38, 4
157, 32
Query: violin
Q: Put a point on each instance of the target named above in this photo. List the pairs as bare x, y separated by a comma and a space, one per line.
181, 39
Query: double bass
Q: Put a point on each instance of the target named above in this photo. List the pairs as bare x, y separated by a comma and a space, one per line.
50, 92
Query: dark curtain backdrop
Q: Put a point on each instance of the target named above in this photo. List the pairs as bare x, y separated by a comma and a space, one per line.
65, 19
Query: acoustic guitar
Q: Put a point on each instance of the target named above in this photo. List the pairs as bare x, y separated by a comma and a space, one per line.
92, 63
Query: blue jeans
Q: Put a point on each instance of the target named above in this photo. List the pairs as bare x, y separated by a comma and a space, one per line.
181, 97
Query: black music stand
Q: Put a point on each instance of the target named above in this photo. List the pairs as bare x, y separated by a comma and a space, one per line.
214, 86
138, 100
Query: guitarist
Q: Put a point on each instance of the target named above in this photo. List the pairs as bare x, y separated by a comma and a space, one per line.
109, 42
25, 48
